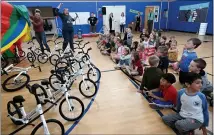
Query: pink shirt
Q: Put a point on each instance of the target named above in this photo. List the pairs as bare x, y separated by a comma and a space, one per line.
120, 51
142, 56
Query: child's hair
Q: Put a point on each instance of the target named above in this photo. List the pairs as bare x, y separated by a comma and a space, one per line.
119, 40
153, 60
127, 49
146, 35
169, 77
136, 56
136, 43
164, 38
159, 34
191, 77
163, 50
200, 63
175, 41
141, 47
130, 28
195, 42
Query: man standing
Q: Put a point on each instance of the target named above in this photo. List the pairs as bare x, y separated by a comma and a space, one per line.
93, 22
150, 21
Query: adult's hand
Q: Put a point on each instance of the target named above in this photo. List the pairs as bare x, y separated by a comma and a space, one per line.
60, 5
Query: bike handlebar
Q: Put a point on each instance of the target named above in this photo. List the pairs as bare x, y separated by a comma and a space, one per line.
83, 46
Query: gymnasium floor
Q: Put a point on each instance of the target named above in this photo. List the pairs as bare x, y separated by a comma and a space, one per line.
116, 109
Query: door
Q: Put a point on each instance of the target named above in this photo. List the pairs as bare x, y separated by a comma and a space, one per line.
146, 16
116, 10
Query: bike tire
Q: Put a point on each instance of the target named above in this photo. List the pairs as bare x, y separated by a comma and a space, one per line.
31, 58
49, 121
15, 89
81, 91
53, 60
98, 72
18, 112
41, 57
44, 93
62, 112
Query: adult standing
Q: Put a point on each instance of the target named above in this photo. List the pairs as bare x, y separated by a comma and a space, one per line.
67, 27
37, 22
151, 18
138, 21
92, 20
122, 22
111, 19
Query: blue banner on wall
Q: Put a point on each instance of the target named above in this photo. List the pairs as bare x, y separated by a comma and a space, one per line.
194, 13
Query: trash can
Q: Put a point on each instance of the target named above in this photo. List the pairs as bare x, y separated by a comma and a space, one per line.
203, 29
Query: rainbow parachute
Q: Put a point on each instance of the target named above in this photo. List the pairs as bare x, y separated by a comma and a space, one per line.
15, 25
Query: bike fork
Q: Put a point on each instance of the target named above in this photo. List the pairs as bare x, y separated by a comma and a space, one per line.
45, 126
69, 102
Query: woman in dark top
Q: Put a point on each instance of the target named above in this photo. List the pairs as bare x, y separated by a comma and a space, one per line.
111, 19
37, 22
67, 27
138, 22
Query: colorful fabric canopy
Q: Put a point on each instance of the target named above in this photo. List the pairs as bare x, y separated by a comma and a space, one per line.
15, 25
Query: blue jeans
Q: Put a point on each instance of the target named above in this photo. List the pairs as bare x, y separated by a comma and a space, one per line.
68, 36
41, 39
161, 103
126, 62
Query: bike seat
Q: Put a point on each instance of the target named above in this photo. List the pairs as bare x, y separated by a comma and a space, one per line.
18, 99
30, 48
58, 50
45, 82
52, 71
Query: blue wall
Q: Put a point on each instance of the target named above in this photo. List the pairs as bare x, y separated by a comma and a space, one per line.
175, 24
91, 7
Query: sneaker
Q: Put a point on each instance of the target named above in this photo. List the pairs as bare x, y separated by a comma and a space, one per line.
117, 66
155, 106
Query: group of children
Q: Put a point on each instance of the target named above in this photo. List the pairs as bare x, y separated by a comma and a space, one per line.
157, 83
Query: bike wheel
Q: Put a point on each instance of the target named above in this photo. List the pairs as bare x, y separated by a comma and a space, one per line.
14, 111
42, 58
53, 59
88, 88
94, 74
56, 81
31, 58
54, 127
77, 108
11, 85
42, 94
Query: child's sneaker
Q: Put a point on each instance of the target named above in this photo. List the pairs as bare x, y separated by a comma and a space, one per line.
155, 106
118, 66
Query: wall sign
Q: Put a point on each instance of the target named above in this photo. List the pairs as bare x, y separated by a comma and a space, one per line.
135, 11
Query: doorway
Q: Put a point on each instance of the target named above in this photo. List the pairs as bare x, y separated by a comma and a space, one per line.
116, 10
146, 16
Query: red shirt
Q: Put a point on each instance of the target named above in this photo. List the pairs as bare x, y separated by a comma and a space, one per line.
142, 56
139, 65
170, 94
38, 24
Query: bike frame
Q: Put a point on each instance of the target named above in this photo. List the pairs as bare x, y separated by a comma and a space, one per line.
27, 117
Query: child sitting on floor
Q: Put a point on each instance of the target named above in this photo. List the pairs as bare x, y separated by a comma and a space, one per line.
124, 59
192, 109
150, 49
173, 56
171, 39
162, 41
115, 56
146, 41
134, 46
197, 66
141, 53
106, 50
129, 38
162, 53
152, 75
135, 67
166, 95
142, 35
